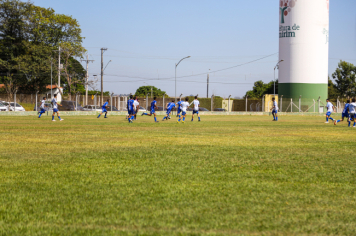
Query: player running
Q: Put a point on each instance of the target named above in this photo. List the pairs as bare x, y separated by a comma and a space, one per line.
184, 105
345, 113
42, 107
274, 109
170, 106
104, 107
136, 106
352, 111
130, 109
330, 108
55, 108
153, 109
196, 107
179, 107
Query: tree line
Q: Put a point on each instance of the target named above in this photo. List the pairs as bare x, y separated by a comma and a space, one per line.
30, 37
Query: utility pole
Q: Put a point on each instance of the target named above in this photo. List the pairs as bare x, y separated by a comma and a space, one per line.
207, 87
102, 72
59, 67
86, 79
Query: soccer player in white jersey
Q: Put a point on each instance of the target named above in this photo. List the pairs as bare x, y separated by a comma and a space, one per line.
184, 107
352, 112
274, 109
42, 107
196, 107
136, 106
55, 108
330, 108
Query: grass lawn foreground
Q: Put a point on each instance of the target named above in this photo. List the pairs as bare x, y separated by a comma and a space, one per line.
225, 175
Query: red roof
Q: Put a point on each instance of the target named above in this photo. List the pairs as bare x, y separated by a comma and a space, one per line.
53, 87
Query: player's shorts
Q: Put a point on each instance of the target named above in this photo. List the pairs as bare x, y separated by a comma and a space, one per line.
274, 111
55, 110
43, 110
352, 116
179, 111
152, 111
168, 112
183, 113
328, 113
195, 112
343, 115
104, 110
131, 112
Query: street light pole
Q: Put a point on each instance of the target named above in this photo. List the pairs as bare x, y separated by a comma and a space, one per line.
175, 80
274, 81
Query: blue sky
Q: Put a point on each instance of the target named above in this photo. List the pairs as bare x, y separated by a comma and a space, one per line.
146, 38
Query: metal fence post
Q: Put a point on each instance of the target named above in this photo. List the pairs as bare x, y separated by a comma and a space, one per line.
163, 102
36, 100
319, 104
280, 103
15, 100
300, 101
246, 103
212, 103
147, 101
228, 105
263, 103
314, 105
291, 105
111, 100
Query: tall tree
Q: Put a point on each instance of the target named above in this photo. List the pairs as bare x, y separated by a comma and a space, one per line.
260, 88
344, 77
144, 90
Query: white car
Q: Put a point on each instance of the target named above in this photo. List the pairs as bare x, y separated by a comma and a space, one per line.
11, 107
3, 107
92, 108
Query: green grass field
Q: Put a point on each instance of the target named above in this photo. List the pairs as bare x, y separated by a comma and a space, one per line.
226, 175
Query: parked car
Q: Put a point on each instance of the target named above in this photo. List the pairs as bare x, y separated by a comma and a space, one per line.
11, 107
141, 109
70, 106
3, 107
220, 109
159, 108
47, 107
92, 108
113, 108
200, 109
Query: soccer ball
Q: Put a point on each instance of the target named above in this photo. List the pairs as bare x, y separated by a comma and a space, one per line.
169, 117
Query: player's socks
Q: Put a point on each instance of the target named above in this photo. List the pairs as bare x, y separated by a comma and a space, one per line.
349, 123
144, 114
52, 117
155, 119
59, 117
99, 115
199, 118
276, 118
40, 115
192, 120
338, 121
183, 118
327, 119
331, 118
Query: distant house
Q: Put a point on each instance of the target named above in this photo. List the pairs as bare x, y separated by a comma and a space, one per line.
55, 90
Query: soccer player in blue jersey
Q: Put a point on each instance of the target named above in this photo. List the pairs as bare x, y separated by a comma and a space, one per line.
352, 111
104, 107
184, 105
195, 108
153, 109
274, 109
42, 107
345, 113
330, 108
179, 107
130, 109
169, 107
55, 108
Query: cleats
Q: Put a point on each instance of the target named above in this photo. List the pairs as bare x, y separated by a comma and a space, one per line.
142, 114
198, 120
183, 122
53, 120
156, 121
105, 117
178, 122
61, 120
327, 122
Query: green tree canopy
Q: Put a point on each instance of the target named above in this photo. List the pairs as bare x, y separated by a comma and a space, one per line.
144, 90
28, 36
260, 88
344, 77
